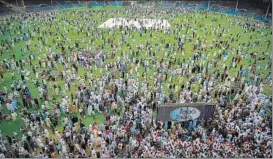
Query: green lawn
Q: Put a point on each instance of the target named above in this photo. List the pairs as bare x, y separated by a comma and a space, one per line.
77, 17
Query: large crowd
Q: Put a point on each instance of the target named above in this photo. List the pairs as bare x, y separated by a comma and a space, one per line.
123, 93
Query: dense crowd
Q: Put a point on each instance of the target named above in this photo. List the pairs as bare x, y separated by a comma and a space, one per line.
241, 127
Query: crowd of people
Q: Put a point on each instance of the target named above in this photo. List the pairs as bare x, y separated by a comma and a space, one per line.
68, 71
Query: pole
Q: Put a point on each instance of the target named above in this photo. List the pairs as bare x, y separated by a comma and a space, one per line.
208, 3
237, 6
267, 10
51, 2
16, 3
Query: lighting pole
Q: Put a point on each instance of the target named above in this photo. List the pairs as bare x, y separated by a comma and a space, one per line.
267, 9
237, 6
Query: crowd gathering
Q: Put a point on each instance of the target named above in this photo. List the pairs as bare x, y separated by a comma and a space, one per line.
60, 81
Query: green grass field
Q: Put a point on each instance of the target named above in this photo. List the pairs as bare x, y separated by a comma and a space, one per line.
69, 19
